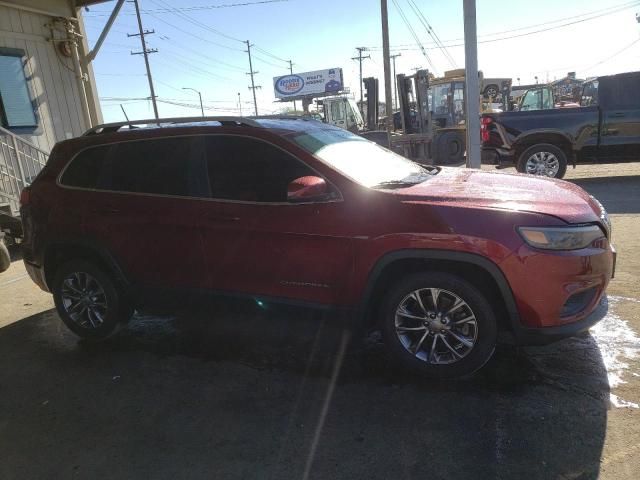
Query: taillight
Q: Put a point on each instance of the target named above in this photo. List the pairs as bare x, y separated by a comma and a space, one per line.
484, 128
25, 197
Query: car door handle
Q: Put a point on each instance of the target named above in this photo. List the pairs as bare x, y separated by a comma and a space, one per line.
617, 115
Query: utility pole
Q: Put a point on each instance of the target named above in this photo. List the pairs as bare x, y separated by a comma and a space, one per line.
146, 53
253, 85
472, 95
395, 87
291, 72
360, 58
239, 104
387, 66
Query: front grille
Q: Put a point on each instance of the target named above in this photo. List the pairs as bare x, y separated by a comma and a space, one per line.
578, 302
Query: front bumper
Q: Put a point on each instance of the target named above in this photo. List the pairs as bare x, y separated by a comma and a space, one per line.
546, 335
557, 294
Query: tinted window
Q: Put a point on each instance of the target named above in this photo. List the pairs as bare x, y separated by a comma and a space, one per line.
620, 92
172, 166
84, 170
246, 169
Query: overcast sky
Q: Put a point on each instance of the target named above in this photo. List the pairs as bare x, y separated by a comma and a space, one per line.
200, 46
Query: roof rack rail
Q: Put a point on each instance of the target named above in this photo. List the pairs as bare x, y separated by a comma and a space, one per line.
115, 126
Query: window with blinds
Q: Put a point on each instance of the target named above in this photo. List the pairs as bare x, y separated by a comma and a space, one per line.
16, 106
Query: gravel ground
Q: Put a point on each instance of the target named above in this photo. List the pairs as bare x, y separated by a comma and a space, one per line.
238, 391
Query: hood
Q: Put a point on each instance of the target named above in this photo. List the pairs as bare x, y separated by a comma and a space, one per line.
476, 188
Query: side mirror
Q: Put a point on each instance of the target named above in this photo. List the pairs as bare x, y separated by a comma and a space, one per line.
307, 189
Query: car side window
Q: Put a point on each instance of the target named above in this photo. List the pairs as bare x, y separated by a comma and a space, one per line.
165, 166
250, 170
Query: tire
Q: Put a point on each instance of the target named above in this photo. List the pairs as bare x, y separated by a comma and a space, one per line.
491, 91
543, 159
480, 331
5, 257
70, 280
449, 148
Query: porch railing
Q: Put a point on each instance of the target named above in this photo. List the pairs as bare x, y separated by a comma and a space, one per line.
20, 162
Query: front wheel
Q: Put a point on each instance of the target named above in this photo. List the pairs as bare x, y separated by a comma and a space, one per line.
438, 325
543, 159
88, 301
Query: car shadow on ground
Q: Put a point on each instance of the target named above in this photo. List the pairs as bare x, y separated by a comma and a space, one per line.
237, 390
617, 194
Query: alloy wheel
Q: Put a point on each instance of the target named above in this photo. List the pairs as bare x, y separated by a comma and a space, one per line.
84, 300
436, 326
543, 163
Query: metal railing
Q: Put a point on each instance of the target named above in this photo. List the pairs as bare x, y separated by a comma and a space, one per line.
20, 162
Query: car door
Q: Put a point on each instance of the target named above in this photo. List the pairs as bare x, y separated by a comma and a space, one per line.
143, 211
258, 243
620, 130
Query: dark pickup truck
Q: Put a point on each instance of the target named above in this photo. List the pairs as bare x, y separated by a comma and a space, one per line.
604, 129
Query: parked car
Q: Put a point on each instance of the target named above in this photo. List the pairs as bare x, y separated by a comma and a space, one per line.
444, 261
605, 128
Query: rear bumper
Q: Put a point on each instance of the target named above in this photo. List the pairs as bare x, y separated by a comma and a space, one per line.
546, 335
496, 156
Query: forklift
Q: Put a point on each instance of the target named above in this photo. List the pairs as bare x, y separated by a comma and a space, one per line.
434, 123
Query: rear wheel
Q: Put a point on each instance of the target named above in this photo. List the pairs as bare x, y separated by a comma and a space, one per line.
543, 159
438, 325
88, 300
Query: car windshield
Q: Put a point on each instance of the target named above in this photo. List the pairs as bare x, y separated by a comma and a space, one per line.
365, 162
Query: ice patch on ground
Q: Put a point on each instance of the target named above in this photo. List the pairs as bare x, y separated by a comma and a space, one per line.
620, 403
617, 343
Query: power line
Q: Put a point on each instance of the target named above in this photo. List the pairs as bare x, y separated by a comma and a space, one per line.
431, 32
610, 12
270, 54
179, 59
192, 20
413, 34
195, 22
100, 13
200, 54
609, 57
256, 57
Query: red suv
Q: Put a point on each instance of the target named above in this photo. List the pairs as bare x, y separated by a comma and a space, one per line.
444, 261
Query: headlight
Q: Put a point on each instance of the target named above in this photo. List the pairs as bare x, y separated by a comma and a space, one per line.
561, 238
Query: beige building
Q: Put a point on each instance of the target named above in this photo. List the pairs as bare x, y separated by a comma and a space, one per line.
47, 88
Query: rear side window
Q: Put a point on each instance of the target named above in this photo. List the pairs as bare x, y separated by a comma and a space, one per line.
249, 170
170, 166
620, 92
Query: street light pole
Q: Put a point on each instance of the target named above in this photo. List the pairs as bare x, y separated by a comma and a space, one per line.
239, 104
199, 95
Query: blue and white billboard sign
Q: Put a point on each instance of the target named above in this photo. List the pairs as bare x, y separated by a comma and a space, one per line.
309, 83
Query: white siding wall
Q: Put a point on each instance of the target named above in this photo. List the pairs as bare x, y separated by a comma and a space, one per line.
51, 78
